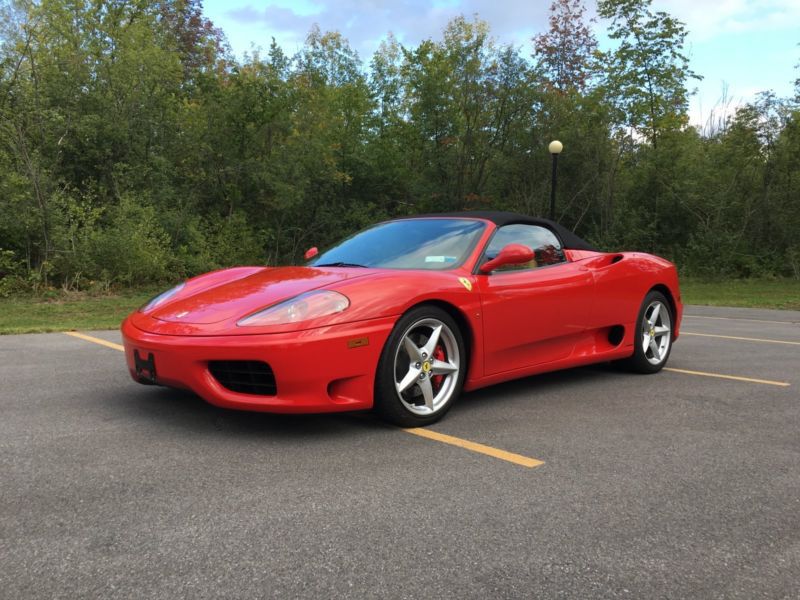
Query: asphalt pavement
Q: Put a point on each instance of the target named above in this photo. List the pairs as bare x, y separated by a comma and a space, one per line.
675, 485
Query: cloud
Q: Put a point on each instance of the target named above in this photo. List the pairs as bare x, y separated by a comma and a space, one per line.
748, 43
364, 23
705, 20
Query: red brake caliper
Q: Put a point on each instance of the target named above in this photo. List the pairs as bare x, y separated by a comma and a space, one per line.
438, 354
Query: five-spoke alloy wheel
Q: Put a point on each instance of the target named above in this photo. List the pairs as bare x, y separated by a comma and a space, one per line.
654, 334
421, 369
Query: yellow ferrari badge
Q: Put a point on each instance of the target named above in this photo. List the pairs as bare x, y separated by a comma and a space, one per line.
466, 283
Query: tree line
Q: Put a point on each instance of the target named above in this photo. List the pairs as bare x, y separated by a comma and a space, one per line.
136, 148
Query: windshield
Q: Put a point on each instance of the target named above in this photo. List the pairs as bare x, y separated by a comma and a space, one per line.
433, 244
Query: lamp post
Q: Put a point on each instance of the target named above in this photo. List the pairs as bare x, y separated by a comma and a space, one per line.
555, 149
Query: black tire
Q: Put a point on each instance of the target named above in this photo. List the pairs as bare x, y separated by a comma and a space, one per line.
401, 408
649, 360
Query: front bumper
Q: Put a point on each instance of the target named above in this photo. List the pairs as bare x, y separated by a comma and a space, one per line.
316, 370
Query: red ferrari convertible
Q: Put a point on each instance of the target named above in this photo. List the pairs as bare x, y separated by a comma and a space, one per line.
405, 315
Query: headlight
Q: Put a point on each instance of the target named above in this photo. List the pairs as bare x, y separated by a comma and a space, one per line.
300, 308
161, 298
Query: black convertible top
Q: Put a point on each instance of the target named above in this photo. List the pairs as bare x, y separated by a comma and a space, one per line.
500, 218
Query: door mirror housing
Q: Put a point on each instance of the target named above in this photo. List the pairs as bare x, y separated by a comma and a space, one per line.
311, 253
512, 254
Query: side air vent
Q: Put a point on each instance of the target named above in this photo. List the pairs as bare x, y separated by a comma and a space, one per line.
244, 376
616, 334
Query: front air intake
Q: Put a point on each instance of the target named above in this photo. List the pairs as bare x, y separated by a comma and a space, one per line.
244, 376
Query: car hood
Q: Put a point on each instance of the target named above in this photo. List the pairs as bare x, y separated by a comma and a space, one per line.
245, 296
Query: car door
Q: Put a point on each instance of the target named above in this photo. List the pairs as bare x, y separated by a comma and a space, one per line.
532, 313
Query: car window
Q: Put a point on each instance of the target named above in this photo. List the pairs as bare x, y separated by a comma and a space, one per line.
434, 244
546, 246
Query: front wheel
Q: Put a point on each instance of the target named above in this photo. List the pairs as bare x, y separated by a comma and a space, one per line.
653, 336
421, 369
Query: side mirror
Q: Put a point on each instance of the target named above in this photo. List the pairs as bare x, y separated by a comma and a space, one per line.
512, 254
311, 253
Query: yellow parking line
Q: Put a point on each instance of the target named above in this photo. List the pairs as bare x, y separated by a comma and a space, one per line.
746, 339
517, 459
734, 377
100, 341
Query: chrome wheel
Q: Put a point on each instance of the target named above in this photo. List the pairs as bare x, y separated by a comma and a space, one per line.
426, 366
656, 332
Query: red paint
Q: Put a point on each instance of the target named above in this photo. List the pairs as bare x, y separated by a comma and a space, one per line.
534, 315
513, 254
518, 323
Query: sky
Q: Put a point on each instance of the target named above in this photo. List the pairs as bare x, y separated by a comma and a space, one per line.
740, 47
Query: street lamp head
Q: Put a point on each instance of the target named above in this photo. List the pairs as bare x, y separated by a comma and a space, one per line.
555, 147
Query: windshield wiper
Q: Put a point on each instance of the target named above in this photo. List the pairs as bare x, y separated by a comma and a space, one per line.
341, 264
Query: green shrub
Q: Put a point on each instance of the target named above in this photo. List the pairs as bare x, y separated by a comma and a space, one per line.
133, 248
12, 278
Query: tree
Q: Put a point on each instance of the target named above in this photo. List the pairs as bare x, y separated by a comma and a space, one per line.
565, 53
797, 83
201, 45
134, 148
646, 74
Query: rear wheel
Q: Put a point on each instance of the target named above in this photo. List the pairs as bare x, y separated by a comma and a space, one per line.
653, 341
421, 370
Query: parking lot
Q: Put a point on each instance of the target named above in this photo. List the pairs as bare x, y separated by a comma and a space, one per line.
591, 482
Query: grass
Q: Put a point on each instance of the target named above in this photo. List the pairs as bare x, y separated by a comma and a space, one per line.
83, 311
68, 311
747, 293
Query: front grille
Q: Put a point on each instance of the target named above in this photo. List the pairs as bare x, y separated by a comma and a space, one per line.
244, 376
